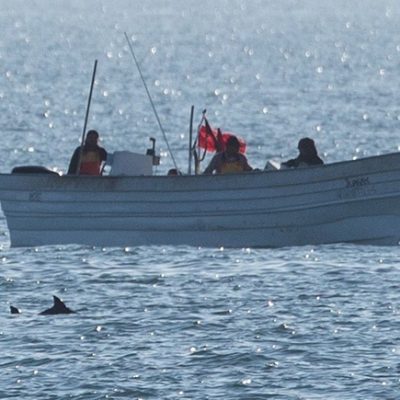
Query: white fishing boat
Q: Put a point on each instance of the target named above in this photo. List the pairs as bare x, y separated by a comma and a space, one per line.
353, 201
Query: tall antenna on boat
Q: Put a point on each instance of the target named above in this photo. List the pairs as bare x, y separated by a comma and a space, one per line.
190, 141
86, 118
151, 100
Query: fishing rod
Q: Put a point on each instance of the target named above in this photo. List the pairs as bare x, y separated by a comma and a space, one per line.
86, 119
151, 100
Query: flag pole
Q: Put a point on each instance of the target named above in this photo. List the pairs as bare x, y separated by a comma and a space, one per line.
196, 153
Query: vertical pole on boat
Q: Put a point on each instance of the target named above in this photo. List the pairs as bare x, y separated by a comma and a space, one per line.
150, 99
190, 140
86, 118
196, 154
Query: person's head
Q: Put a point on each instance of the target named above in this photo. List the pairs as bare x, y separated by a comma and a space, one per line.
92, 137
307, 147
173, 171
232, 145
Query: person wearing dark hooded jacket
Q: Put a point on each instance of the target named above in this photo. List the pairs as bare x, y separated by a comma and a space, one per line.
308, 155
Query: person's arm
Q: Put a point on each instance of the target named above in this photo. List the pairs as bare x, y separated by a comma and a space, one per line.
293, 163
103, 154
73, 164
103, 158
246, 165
211, 167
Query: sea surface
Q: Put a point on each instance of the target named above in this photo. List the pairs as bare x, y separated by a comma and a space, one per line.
312, 322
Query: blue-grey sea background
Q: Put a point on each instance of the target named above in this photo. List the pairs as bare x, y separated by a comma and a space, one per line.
313, 322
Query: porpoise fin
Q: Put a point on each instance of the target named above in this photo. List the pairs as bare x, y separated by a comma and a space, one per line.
59, 307
57, 302
15, 310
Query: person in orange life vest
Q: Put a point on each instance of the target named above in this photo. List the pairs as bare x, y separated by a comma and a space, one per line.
228, 161
92, 156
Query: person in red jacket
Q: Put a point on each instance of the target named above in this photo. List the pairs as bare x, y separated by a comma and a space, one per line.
92, 157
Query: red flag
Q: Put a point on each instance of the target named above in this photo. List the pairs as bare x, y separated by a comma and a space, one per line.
212, 139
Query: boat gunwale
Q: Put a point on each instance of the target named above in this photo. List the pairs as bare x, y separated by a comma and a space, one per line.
306, 172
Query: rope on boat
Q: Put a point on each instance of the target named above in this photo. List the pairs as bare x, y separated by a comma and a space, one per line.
151, 100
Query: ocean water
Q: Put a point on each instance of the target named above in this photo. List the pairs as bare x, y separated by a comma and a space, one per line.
312, 322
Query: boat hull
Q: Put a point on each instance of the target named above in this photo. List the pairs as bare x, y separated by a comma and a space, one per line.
355, 201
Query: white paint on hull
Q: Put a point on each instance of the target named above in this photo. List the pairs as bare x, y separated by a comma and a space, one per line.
355, 201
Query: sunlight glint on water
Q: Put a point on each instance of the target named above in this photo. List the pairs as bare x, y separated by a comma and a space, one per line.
192, 323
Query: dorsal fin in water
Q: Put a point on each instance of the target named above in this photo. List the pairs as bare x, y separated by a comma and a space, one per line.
15, 310
59, 307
